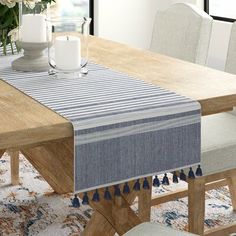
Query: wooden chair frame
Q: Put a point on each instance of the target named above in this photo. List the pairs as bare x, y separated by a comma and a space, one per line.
196, 200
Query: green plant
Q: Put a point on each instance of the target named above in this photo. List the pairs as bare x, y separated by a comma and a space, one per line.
9, 12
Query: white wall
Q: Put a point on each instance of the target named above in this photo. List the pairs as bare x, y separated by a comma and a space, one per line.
127, 21
131, 22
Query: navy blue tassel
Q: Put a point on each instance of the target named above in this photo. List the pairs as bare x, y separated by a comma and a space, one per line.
156, 182
117, 191
146, 184
199, 171
107, 194
191, 173
126, 189
85, 200
137, 185
75, 202
96, 197
175, 178
182, 175
165, 180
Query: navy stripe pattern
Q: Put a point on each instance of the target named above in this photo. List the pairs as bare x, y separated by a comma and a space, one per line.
124, 128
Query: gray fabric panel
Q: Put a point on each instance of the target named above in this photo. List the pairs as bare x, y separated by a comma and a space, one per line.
137, 155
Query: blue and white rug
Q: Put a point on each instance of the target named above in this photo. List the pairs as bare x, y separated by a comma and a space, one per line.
32, 208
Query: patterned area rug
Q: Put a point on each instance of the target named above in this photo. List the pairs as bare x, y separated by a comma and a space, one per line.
32, 208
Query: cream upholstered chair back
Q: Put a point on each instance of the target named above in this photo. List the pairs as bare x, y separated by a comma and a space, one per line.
182, 31
230, 65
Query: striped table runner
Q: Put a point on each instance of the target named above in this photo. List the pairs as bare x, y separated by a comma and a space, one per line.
9, 50
124, 128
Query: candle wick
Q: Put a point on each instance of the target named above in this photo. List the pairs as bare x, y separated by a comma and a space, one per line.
67, 37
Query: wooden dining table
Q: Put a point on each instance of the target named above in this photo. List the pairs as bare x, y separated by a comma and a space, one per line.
46, 139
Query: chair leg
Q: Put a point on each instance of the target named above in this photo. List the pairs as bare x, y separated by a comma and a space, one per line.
232, 189
14, 156
196, 205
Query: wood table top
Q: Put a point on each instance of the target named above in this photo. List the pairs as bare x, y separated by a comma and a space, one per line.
24, 121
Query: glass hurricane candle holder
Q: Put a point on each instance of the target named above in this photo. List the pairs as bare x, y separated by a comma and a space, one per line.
32, 37
68, 46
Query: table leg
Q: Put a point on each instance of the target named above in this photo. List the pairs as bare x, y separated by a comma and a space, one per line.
144, 202
1, 153
132, 195
14, 156
107, 208
55, 162
196, 205
98, 220
117, 212
98, 225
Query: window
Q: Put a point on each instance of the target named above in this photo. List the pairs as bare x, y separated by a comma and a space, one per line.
221, 9
80, 8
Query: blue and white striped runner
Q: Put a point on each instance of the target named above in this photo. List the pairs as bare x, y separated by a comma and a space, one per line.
124, 128
9, 50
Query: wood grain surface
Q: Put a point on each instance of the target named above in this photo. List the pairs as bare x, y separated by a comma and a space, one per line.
215, 90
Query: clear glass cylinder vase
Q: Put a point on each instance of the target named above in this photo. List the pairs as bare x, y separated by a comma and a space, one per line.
68, 46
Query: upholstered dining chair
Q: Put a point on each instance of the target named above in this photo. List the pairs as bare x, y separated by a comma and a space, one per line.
219, 169
182, 31
230, 65
154, 229
218, 161
219, 146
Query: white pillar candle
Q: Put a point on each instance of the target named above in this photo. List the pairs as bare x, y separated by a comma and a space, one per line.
67, 52
33, 28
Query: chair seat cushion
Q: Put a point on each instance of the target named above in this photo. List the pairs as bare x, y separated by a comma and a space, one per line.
155, 229
218, 143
